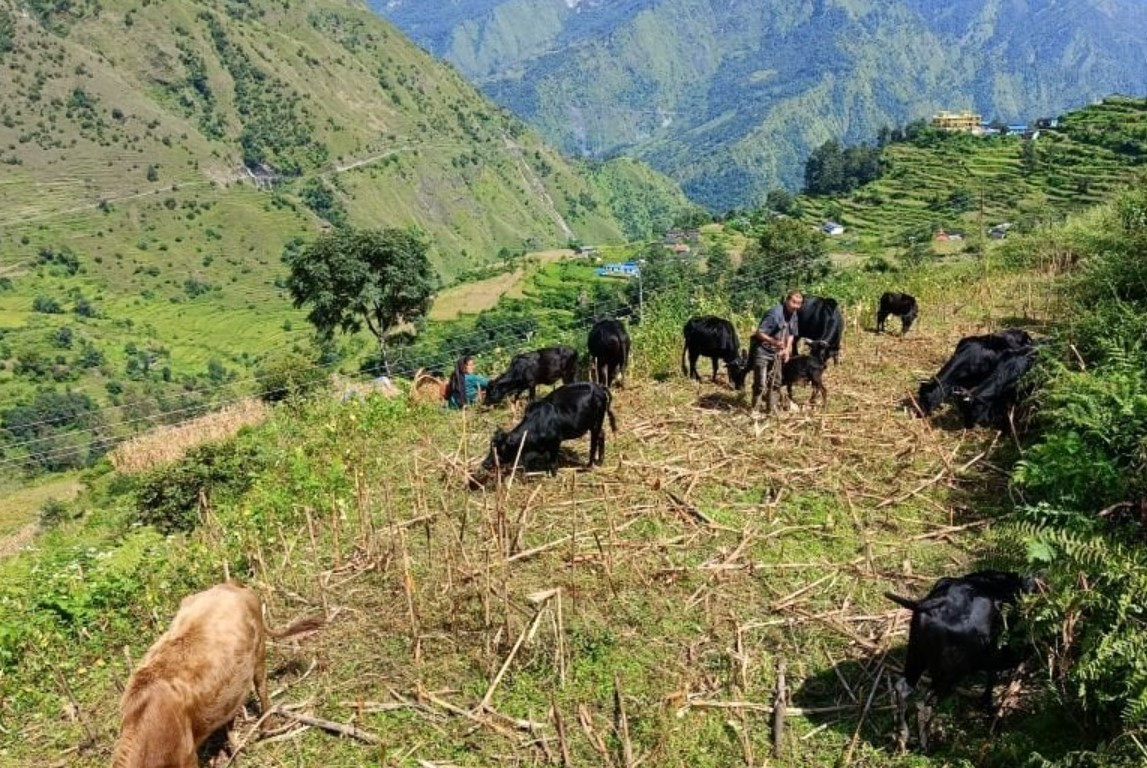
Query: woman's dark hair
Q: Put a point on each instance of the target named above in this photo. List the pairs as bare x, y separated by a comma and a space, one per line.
457, 388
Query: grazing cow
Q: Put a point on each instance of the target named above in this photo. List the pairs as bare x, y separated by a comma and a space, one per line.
903, 305
805, 368
820, 319
714, 338
988, 404
196, 676
566, 413
973, 361
529, 369
609, 348
954, 633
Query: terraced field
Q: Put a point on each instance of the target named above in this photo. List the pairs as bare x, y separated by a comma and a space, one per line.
1090, 154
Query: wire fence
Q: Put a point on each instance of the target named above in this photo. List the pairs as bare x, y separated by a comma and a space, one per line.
45, 449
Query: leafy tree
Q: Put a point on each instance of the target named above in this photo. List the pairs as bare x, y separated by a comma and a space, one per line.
781, 201
961, 200
46, 305
830, 168
824, 169
786, 254
351, 277
317, 196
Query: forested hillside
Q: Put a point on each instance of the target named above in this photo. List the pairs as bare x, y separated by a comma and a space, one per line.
728, 98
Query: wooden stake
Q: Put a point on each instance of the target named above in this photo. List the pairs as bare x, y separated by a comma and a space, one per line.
621, 724
563, 744
780, 702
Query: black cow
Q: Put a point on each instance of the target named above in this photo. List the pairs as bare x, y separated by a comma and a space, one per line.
902, 305
714, 338
529, 369
955, 631
805, 368
820, 319
988, 404
564, 414
609, 348
973, 361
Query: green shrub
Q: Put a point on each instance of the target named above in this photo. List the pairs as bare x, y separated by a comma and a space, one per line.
53, 512
289, 375
171, 498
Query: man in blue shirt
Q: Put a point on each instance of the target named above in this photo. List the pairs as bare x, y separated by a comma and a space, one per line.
772, 345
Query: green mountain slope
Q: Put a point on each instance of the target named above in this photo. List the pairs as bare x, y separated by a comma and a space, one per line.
728, 98
940, 181
156, 158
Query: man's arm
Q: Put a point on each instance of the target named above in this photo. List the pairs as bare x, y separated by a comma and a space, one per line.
768, 331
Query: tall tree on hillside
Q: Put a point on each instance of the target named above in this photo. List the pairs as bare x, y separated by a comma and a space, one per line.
350, 277
824, 169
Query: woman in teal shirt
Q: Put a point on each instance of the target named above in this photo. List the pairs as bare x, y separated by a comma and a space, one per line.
465, 385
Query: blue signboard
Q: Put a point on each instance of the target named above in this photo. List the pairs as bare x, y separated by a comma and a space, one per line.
626, 269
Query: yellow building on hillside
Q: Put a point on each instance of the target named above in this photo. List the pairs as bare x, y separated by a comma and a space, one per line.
969, 122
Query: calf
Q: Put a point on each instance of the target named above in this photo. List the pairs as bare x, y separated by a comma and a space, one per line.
715, 338
529, 369
989, 403
609, 348
195, 678
973, 361
805, 368
902, 305
954, 633
820, 319
566, 413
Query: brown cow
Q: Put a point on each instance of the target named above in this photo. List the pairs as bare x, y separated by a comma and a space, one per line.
196, 677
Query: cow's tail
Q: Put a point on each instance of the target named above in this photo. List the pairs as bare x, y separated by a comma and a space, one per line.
911, 605
684, 352
297, 627
609, 411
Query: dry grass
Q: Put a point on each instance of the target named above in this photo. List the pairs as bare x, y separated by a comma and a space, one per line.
631, 613
472, 298
636, 613
168, 444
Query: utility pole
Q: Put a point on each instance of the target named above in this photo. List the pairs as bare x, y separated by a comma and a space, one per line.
983, 239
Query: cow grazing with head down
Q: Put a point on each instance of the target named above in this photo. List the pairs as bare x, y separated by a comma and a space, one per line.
196, 677
903, 305
973, 361
529, 369
988, 403
715, 338
955, 632
820, 319
609, 348
566, 413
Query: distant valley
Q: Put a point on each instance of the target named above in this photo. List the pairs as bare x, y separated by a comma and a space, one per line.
728, 98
